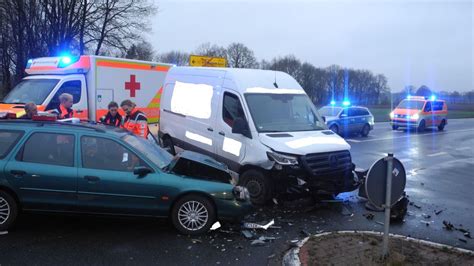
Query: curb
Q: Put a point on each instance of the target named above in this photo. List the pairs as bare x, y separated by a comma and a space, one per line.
292, 258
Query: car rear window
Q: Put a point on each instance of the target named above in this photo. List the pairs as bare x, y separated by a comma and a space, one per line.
8, 139
48, 148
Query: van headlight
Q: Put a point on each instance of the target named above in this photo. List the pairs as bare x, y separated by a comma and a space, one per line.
392, 115
415, 116
241, 193
282, 159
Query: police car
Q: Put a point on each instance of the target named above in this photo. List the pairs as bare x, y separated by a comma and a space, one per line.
420, 112
346, 119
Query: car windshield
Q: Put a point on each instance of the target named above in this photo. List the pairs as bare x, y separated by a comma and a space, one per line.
329, 111
411, 104
31, 90
156, 154
288, 112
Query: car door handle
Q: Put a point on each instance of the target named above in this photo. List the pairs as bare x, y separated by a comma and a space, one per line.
18, 173
210, 129
221, 133
91, 178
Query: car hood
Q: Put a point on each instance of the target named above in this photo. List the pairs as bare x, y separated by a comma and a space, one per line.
405, 111
200, 166
330, 118
304, 142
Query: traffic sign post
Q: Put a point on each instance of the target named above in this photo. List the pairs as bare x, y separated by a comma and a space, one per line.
384, 186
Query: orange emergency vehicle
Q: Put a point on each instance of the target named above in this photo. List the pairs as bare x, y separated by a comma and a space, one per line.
420, 112
94, 81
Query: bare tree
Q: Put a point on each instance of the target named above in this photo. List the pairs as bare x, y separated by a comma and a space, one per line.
207, 49
240, 56
289, 64
140, 51
174, 57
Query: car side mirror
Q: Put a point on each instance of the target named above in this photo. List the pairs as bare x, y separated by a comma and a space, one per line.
324, 119
241, 126
141, 171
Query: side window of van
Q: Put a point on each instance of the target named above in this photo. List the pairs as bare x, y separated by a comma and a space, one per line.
231, 108
428, 107
72, 87
437, 106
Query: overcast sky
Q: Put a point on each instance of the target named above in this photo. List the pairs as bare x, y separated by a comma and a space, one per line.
410, 42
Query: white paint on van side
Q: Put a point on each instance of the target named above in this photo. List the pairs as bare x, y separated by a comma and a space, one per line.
308, 141
198, 138
232, 146
274, 91
192, 99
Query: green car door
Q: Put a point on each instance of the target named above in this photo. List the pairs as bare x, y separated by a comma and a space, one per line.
43, 172
107, 183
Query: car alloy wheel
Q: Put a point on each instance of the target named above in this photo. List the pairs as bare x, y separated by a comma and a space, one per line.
4, 210
193, 215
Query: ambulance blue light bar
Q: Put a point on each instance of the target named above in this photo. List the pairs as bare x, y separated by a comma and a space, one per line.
65, 61
433, 97
346, 103
333, 102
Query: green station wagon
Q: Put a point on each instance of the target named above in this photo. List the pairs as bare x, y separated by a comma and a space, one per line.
94, 169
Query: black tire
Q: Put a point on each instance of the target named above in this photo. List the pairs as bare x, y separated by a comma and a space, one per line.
185, 224
442, 125
365, 130
334, 128
394, 127
422, 126
8, 210
168, 145
259, 186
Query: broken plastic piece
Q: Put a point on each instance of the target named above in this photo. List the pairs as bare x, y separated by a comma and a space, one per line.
247, 234
258, 226
438, 212
215, 226
257, 242
3, 233
448, 226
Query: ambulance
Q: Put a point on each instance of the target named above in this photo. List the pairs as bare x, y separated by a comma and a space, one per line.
94, 81
420, 112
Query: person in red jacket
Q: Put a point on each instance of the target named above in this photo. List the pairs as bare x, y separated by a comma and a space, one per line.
112, 118
65, 110
135, 120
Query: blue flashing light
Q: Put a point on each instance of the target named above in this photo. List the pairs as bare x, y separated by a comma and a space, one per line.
65, 61
346, 103
408, 96
28, 64
433, 97
333, 103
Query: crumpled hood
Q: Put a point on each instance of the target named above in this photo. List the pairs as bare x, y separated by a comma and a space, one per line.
304, 142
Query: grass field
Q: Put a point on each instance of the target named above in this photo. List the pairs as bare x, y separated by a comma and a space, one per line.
381, 113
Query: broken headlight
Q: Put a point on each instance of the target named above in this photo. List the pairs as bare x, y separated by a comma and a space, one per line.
241, 193
282, 159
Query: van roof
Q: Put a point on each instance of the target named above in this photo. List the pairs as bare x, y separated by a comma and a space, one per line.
246, 80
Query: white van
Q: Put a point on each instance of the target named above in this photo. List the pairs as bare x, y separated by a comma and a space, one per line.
261, 124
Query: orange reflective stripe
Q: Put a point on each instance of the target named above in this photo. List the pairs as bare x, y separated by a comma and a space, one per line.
118, 64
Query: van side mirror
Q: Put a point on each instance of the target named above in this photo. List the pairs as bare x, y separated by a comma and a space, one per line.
141, 171
241, 126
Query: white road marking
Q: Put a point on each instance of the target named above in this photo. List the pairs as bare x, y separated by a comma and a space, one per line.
437, 154
353, 140
418, 135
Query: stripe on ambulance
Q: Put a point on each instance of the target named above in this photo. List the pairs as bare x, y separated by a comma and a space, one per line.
128, 65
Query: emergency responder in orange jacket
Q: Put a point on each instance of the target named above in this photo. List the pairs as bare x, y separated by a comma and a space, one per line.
112, 118
135, 120
65, 110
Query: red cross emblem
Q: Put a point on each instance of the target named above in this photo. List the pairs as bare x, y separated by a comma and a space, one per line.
132, 85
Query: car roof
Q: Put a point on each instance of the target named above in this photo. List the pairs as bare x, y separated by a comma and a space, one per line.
77, 127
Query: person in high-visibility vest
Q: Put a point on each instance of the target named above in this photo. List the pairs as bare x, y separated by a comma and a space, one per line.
112, 118
135, 120
65, 110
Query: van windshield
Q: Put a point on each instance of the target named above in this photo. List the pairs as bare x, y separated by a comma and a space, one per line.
31, 90
410, 104
283, 112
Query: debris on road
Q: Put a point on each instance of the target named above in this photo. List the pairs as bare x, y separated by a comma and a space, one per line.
258, 226
369, 216
438, 212
427, 223
305, 233
448, 226
215, 226
196, 241
462, 240
426, 216
257, 243
248, 234
271, 256
3, 233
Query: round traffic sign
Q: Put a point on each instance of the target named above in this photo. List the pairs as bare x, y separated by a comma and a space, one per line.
376, 182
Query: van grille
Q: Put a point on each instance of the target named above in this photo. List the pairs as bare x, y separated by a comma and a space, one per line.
328, 163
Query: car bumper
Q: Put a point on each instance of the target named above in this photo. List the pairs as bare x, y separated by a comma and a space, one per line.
404, 123
232, 209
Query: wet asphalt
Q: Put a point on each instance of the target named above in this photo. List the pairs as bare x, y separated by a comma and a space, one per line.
440, 177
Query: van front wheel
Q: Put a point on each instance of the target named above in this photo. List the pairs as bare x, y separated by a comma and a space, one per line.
168, 145
258, 184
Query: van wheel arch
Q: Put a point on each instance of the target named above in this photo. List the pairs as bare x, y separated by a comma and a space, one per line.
263, 185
